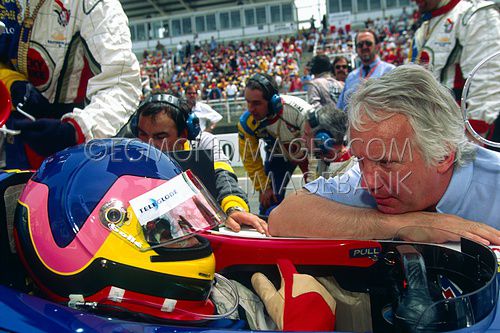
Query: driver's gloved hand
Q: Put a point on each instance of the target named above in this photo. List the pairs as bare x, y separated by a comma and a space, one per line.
24, 94
301, 304
46, 136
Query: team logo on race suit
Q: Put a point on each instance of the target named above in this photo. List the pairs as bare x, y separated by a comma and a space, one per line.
40, 67
425, 57
63, 14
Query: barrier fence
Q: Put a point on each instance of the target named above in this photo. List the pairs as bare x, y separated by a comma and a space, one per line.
232, 108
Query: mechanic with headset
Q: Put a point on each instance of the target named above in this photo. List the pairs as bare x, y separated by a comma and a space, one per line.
278, 120
324, 133
167, 123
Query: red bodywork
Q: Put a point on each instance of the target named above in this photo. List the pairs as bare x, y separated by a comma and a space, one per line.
230, 251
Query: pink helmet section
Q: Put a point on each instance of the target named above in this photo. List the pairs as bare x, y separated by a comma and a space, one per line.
81, 251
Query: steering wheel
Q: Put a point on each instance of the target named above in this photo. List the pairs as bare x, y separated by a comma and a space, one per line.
414, 311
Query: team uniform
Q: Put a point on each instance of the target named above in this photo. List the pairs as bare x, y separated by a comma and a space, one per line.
283, 146
229, 194
78, 55
453, 39
323, 90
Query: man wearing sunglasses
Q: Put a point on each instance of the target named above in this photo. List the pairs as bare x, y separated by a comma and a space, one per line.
340, 68
367, 47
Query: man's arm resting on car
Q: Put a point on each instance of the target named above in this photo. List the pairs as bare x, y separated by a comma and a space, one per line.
308, 215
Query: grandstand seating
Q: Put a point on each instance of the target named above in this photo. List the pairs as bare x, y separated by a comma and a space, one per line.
223, 67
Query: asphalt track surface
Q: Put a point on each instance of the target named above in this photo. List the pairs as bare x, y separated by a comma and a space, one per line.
253, 197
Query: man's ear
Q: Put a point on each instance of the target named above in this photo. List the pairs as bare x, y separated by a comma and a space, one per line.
184, 134
444, 165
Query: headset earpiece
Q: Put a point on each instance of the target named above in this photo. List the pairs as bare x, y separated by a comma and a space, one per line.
184, 118
322, 138
192, 126
324, 141
312, 119
275, 104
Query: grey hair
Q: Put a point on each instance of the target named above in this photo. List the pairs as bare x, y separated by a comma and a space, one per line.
332, 120
431, 110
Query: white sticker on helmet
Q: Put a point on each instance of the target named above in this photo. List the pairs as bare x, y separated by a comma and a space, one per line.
168, 305
153, 204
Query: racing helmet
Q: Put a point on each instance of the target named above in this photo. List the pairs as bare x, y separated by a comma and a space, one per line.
113, 225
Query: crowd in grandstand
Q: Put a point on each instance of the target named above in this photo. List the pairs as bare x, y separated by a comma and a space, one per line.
220, 70
395, 35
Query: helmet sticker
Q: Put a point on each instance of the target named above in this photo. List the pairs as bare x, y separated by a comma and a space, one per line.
160, 200
170, 213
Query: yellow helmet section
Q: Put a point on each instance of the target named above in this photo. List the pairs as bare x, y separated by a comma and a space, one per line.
118, 248
130, 251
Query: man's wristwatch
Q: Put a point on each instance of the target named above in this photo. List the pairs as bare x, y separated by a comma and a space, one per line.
234, 209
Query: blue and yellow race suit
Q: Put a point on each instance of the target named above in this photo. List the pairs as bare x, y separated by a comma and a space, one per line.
284, 147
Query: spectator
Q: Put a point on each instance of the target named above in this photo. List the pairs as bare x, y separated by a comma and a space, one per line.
310, 43
296, 84
324, 23
213, 45
311, 20
160, 47
438, 179
207, 116
306, 78
286, 84
231, 90
215, 92
180, 53
340, 68
367, 46
472, 29
279, 121
92, 98
196, 41
188, 50
323, 89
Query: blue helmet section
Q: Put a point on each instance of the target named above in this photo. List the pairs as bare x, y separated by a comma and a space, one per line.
78, 178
